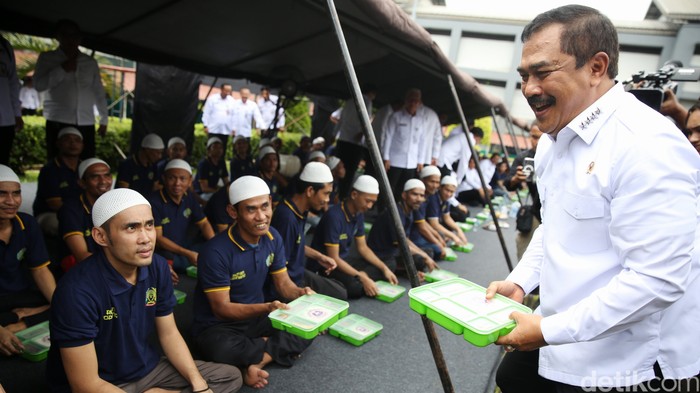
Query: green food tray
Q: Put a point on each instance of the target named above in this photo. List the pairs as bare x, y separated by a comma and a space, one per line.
368, 227
471, 220
355, 329
468, 248
497, 200
465, 227
388, 292
36, 342
309, 315
439, 275
459, 306
180, 296
191, 271
450, 255
482, 216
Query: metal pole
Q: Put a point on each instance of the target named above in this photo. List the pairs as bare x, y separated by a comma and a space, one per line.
511, 130
478, 170
386, 190
503, 148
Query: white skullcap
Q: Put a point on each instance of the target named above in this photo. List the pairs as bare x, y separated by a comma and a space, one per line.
316, 172
316, 154
413, 183
178, 164
152, 141
265, 151
87, 164
367, 184
70, 131
213, 140
332, 162
264, 142
7, 174
114, 202
246, 187
175, 140
320, 139
448, 180
274, 139
429, 170
238, 138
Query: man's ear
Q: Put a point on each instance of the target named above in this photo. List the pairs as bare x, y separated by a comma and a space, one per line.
231, 211
99, 235
309, 192
598, 66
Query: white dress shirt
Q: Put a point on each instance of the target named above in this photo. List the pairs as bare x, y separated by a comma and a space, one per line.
70, 96
217, 114
433, 134
471, 181
350, 126
243, 115
9, 86
29, 98
379, 123
402, 140
455, 147
267, 112
619, 187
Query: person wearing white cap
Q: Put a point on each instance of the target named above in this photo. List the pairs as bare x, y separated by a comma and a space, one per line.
242, 163
75, 216
318, 143
175, 211
268, 170
438, 211
108, 306
383, 239
58, 180
139, 171
211, 170
317, 156
313, 190
423, 234
26, 282
264, 142
177, 148
304, 149
231, 323
217, 114
276, 143
338, 170
333, 237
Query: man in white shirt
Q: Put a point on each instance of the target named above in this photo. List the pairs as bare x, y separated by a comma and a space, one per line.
217, 115
402, 150
245, 111
71, 80
270, 113
29, 97
10, 108
614, 257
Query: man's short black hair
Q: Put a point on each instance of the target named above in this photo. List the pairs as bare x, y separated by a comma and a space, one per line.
301, 186
585, 32
477, 131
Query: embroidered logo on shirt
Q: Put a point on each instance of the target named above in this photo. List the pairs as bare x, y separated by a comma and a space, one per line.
590, 119
343, 236
110, 314
150, 175
187, 212
63, 184
590, 167
165, 220
238, 276
299, 239
88, 232
151, 297
20, 254
269, 259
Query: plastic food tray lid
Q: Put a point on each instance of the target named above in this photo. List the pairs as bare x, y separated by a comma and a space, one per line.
36, 341
356, 329
439, 275
308, 315
482, 216
191, 271
471, 220
450, 255
460, 306
468, 248
389, 292
465, 227
180, 296
368, 227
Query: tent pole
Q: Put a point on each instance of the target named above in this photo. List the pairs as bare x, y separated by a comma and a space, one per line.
511, 130
503, 148
386, 190
478, 170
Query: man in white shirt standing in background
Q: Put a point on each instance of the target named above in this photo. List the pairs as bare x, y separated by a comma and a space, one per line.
10, 108
217, 115
245, 112
29, 97
614, 257
267, 103
71, 80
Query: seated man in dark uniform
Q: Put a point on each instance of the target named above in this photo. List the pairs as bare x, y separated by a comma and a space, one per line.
231, 323
108, 306
26, 282
242, 163
211, 170
138, 172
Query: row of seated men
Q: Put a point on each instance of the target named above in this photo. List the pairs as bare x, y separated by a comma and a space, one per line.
248, 269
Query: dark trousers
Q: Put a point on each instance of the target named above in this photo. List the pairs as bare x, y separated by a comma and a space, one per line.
27, 298
241, 343
7, 137
471, 198
325, 285
54, 127
354, 286
350, 154
518, 373
398, 177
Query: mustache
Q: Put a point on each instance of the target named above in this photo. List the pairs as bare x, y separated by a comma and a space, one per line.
541, 100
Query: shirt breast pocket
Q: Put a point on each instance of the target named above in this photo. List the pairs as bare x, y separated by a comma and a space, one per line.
584, 224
